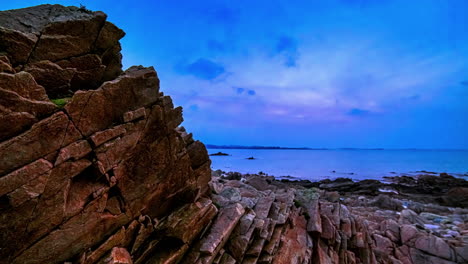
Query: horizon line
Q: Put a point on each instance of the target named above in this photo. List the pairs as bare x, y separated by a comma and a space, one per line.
214, 146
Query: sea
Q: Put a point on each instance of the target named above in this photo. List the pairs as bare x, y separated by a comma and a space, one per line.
357, 164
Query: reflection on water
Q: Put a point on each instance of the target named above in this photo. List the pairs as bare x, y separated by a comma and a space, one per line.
355, 164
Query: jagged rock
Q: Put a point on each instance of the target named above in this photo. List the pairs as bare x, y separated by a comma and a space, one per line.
187, 222
75, 151
434, 246
383, 244
296, 245
410, 217
5, 65
50, 75
77, 178
22, 103
43, 138
16, 179
96, 110
419, 257
222, 227
46, 38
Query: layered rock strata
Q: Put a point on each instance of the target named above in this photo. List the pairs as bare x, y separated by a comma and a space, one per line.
287, 223
110, 164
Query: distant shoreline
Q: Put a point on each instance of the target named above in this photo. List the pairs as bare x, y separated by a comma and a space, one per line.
210, 146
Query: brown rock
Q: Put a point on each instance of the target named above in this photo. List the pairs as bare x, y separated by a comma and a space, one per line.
111, 153
24, 85
241, 235
221, 229
119, 256
52, 77
18, 114
383, 244
5, 65
419, 257
227, 259
109, 36
92, 111
76, 211
75, 151
120, 239
23, 175
408, 233
262, 208
88, 71
29, 191
328, 229
187, 222
296, 244
103, 136
22, 102
74, 235
198, 154
260, 183
67, 39
132, 115
16, 44
434, 246
43, 138
314, 223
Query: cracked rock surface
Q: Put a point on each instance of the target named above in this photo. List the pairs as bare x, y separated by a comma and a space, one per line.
88, 182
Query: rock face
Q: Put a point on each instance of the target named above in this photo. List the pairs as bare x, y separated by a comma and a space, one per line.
112, 177
88, 183
64, 48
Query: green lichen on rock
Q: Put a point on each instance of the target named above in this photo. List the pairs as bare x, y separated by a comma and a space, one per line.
61, 102
305, 196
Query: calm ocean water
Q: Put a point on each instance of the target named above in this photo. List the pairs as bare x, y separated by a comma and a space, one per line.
355, 164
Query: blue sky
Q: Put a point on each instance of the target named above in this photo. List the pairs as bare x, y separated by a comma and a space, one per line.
335, 73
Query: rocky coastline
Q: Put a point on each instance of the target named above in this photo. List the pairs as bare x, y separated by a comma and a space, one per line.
95, 167
407, 220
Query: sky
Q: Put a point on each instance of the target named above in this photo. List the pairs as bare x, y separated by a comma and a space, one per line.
335, 73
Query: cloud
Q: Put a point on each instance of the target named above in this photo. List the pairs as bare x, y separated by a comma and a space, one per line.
251, 92
358, 112
287, 47
203, 69
239, 90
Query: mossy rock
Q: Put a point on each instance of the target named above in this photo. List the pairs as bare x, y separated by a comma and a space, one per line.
61, 102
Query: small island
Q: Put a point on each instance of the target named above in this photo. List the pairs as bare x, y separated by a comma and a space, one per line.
219, 154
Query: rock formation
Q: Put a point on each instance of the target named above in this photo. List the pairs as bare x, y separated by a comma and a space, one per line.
109, 164
285, 222
95, 168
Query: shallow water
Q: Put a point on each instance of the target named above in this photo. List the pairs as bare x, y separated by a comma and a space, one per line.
355, 164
